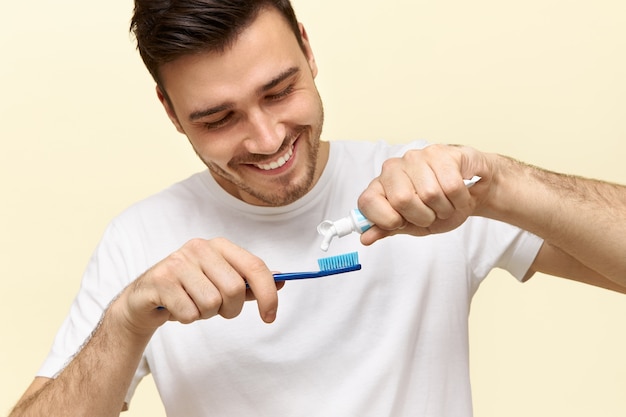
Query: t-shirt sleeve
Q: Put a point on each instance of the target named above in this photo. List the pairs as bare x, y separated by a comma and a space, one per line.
494, 244
520, 256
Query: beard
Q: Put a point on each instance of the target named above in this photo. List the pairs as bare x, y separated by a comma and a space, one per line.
284, 189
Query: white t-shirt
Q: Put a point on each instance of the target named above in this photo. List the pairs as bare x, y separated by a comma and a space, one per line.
388, 340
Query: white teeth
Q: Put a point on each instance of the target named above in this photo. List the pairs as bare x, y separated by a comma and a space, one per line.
278, 163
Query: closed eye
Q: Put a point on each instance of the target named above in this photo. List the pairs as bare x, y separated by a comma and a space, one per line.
281, 94
219, 123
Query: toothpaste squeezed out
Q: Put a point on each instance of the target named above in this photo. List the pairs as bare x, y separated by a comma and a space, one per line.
355, 222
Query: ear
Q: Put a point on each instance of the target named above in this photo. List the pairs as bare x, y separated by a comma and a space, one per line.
308, 51
169, 109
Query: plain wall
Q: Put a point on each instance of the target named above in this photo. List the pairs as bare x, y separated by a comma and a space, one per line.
83, 136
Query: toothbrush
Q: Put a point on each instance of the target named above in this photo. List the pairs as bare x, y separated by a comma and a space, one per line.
332, 265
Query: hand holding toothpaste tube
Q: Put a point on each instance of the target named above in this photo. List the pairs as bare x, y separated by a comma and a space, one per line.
425, 192
356, 222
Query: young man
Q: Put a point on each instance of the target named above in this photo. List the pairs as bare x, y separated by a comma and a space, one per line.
237, 78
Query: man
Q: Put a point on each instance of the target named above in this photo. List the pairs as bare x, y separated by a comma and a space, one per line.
237, 78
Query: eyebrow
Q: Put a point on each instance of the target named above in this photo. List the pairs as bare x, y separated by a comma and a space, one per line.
196, 115
279, 79
199, 114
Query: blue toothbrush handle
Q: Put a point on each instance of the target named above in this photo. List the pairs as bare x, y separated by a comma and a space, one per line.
287, 276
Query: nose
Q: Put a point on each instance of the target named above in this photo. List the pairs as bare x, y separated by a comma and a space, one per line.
265, 133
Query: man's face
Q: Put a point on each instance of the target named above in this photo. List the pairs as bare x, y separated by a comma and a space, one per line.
252, 113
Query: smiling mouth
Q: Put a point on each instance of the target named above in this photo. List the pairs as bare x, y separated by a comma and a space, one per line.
278, 162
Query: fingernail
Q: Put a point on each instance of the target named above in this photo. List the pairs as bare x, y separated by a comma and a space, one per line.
270, 316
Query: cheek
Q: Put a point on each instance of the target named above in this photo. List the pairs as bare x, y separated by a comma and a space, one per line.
213, 150
307, 110
301, 109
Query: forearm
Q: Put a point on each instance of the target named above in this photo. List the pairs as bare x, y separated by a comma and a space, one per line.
584, 218
96, 381
202, 279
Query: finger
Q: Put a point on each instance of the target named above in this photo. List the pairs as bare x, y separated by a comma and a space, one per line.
443, 192
179, 304
375, 233
250, 295
448, 170
433, 201
374, 205
221, 283
437, 181
182, 308
456, 192
183, 288
153, 299
197, 283
259, 278
402, 182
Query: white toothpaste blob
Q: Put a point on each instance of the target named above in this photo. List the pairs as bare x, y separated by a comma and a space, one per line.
354, 222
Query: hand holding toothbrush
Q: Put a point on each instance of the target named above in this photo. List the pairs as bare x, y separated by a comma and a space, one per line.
202, 279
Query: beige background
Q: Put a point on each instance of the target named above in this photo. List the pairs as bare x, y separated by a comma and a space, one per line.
83, 136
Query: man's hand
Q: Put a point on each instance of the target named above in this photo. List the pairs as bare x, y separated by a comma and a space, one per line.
422, 192
202, 279
581, 220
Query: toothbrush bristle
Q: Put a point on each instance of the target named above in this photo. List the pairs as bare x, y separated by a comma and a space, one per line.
345, 260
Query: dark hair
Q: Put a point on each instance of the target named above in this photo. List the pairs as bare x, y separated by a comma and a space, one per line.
168, 29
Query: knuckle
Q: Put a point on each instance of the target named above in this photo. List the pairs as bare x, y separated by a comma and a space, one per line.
186, 314
366, 198
217, 242
212, 301
195, 245
421, 216
174, 262
402, 200
435, 149
430, 195
392, 163
232, 311
233, 289
257, 266
210, 306
413, 155
396, 223
161, 274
